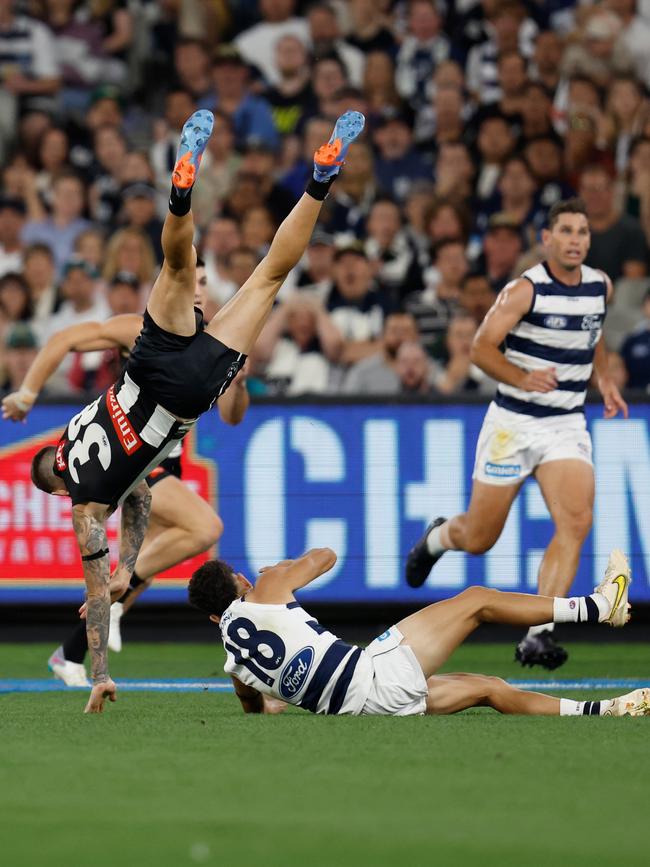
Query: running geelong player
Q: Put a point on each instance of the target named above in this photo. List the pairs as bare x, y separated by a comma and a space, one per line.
551, 321
276, 651
181, 524
175, 373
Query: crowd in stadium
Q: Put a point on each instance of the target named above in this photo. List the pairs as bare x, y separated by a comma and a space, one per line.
481, 115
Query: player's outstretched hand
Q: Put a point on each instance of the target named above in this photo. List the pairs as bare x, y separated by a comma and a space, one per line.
612, 399
16, 406
540, 380
98, 694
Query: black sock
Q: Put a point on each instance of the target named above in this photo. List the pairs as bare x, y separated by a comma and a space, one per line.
319, 189
76, 647
135, 581
592, 610
180, 203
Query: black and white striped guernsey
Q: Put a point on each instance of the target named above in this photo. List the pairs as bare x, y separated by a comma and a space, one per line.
560, 330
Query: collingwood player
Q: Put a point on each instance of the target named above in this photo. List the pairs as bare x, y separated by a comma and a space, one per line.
181, 523
551, 321
276, 652
175, 372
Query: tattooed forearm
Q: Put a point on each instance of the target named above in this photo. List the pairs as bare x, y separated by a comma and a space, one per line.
91, 536
135, 519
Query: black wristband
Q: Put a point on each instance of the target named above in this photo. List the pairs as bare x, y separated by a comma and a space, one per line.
318, 189
179, 205
96, 556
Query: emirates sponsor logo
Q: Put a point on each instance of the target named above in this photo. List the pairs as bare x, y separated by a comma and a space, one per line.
59, 458
128, 438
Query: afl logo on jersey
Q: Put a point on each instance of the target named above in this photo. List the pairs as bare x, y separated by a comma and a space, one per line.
295, 672
555, 322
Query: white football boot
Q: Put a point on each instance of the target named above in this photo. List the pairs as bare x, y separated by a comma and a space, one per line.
635, 703
71, 673
114, 633
614, 587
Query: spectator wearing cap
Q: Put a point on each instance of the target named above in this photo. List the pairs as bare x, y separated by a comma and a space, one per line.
297, 347
292, 98
354, 192
376, 374
28, 68
20, 348
369, 31
259, 161
636, 351
91, 247
423, 48
124, 294
251, 115
179, 105
495, 143
60, 230
389, 247
139, 212
220, 238
357, 305
457, 374
327, 40
399, 164
599, 53
256, 44
12, 220
40, 273
219, 169
192, 67
502, 247
434, 306
618, 245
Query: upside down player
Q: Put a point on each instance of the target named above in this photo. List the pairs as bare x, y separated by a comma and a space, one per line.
276, 652
181, 524
175, 373
551, 321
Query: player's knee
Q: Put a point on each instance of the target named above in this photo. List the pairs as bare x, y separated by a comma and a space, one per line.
576, 524
209, 532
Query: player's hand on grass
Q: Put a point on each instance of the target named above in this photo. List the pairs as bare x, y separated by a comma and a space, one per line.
16, 406
543, 381
98, 695
274, 705
612, 399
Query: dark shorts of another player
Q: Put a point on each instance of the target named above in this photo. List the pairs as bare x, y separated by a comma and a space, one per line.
169, 467
184, 374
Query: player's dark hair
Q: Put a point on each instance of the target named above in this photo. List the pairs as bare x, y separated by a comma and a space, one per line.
574, 205
200, 263
212, 587
43, 470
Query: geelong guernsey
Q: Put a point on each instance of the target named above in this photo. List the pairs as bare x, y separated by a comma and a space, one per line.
283, 652
560, 330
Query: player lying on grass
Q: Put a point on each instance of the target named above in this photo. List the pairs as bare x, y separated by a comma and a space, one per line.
176, 372
181, 523
276, 651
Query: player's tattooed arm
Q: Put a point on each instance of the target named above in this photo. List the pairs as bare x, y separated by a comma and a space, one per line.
88, 522
135, 520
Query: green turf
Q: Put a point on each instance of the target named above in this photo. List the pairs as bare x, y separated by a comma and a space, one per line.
181, 779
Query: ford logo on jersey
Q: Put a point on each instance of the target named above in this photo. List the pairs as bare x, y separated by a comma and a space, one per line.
295, 672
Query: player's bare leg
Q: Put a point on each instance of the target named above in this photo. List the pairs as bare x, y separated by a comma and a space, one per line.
239, 322
171, 302
450, 693
474, 531
437, 630
568, 490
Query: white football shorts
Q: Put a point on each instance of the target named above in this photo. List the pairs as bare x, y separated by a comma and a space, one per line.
511, 445
399, 687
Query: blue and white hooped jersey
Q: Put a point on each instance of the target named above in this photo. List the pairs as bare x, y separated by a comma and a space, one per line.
283, 652
560, 330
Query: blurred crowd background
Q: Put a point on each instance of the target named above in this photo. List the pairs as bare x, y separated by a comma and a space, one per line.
481, 114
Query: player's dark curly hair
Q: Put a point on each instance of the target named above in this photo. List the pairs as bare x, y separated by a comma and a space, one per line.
212, 587
43, 470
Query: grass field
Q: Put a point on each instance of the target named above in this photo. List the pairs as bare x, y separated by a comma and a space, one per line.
181, 779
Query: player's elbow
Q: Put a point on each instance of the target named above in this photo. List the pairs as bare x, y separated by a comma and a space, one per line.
476, 352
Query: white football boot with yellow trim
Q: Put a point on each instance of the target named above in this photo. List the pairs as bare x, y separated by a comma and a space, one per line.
614, 587
635, 703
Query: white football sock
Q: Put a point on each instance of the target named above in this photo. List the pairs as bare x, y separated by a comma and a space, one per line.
438, 540
583, 708
580, 609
